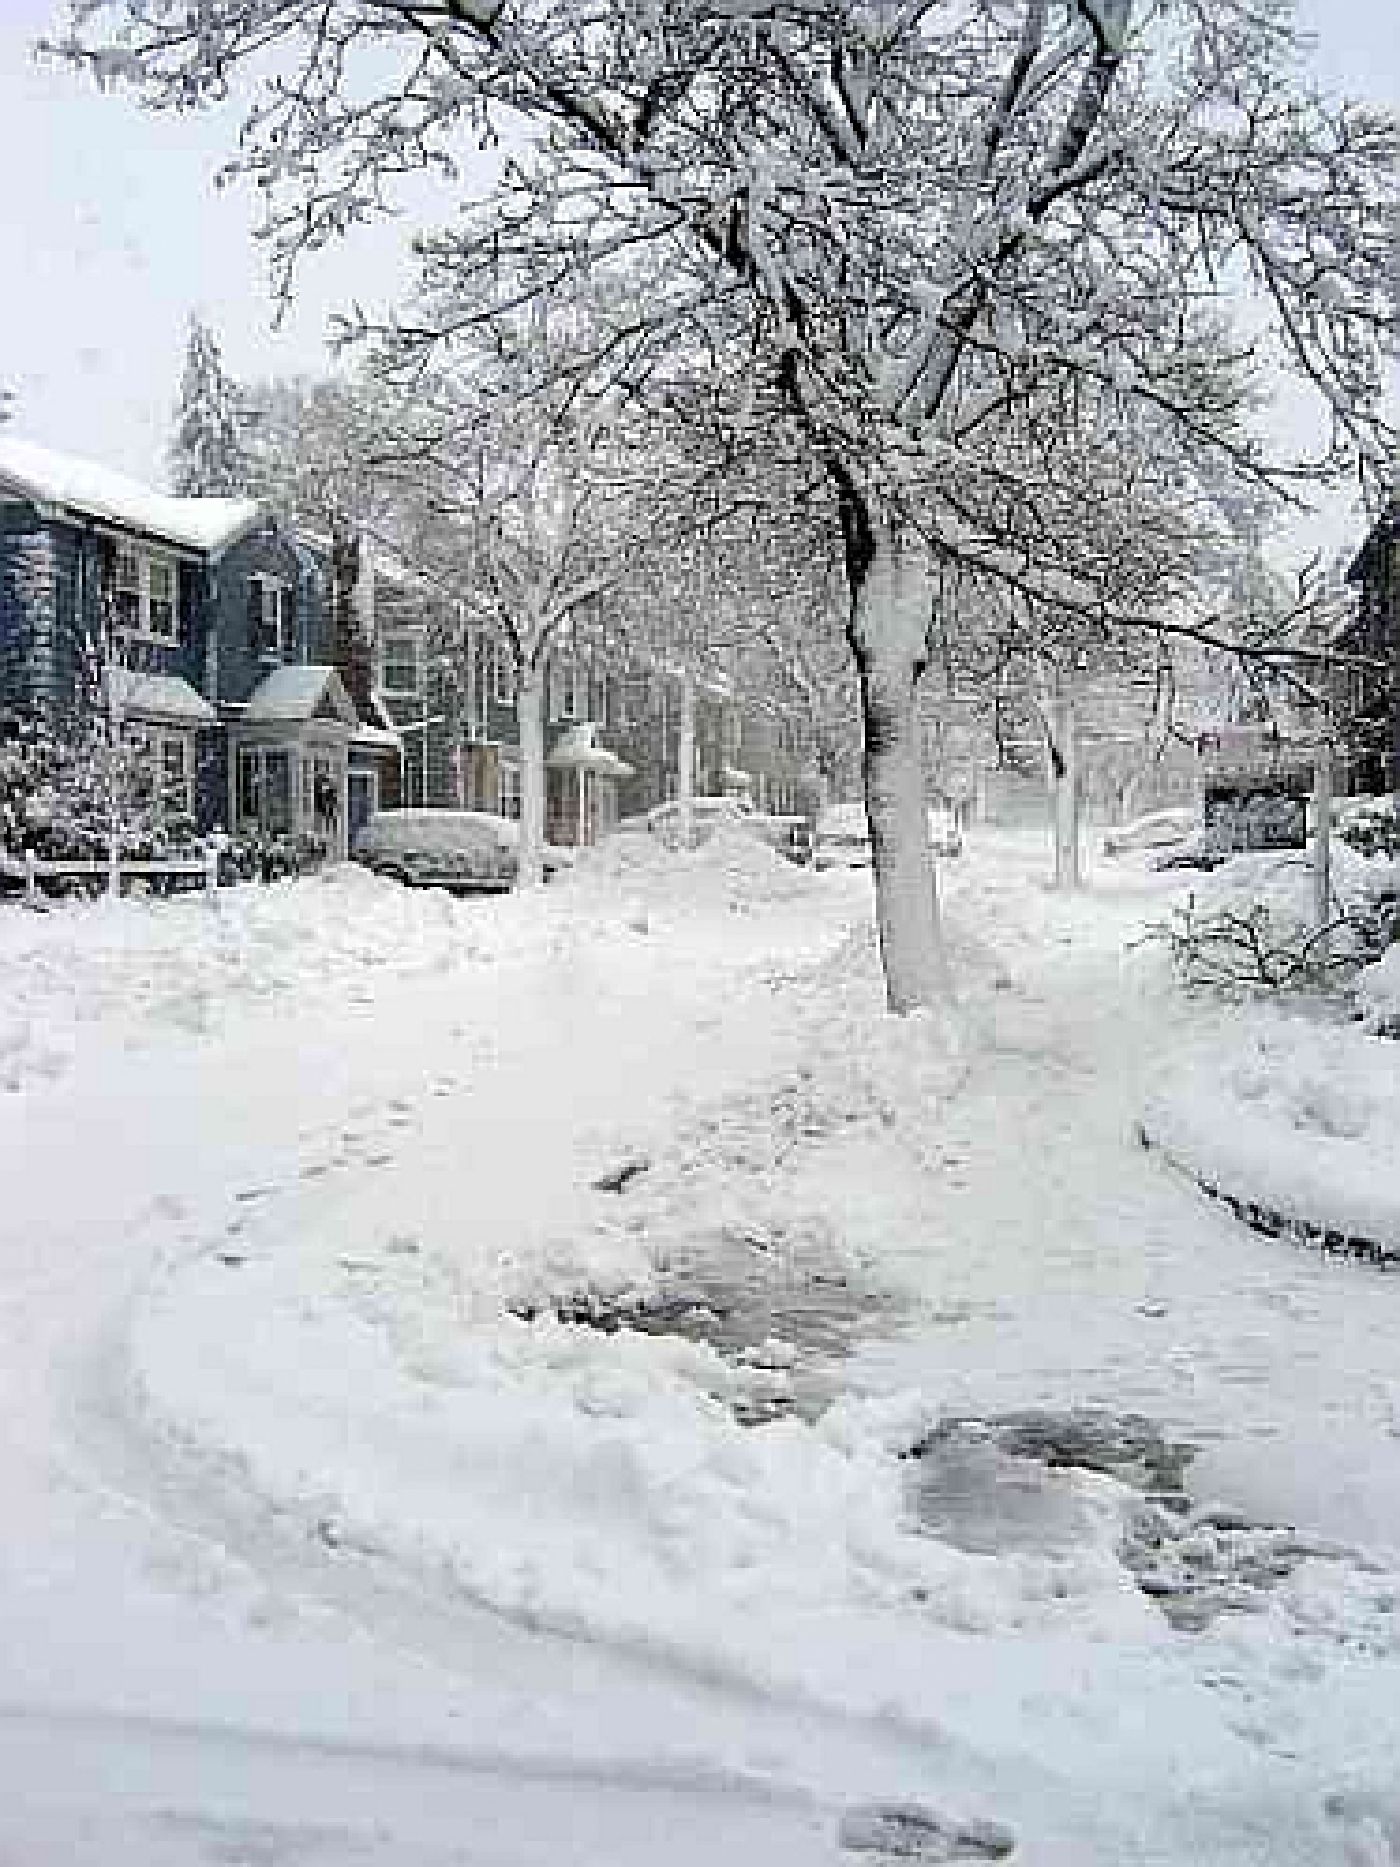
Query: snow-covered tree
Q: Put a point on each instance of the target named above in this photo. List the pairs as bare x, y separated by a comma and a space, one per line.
924, 225
207, 454
77, 780
523, 504
315, 451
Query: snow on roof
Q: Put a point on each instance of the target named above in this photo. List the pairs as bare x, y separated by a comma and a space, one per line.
299, 692
96, 492
578, 750
376, 737
159, 697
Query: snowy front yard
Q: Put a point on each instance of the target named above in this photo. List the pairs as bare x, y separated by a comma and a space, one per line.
607, 1261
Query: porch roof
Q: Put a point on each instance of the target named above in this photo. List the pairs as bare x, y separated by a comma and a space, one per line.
377, 738
578, 750
297, 695
164, 698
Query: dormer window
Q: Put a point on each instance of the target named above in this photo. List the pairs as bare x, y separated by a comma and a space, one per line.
272, 629
144, 595
403, 664
502, 674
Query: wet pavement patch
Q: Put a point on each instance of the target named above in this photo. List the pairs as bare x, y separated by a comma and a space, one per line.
907, 1831
1002, 1484
772, 1306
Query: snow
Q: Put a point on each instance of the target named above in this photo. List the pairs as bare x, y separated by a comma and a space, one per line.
159, 697
298, 692
1289, 1112
326, 1532
577, 748
1378, 992
93, 491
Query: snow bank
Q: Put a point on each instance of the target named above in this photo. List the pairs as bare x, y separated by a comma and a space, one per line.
733, 867
1293, 1114
201, 962
1378, 994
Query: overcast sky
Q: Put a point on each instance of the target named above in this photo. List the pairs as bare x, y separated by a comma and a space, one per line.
111, 232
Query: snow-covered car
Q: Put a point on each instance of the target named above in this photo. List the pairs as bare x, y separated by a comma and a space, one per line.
709, 814
944, 835
790, 836
843, 836
468, 851
1158, 829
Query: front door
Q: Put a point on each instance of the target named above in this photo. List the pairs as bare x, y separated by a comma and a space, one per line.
364, 800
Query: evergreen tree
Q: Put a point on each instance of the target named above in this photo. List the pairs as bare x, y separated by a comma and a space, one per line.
207, 456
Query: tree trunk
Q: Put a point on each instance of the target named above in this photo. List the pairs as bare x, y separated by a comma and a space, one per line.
1062, 761
889, 627
685, 762
1322, 843
530, 713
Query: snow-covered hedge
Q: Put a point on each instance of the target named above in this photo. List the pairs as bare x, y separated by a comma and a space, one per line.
1252, 924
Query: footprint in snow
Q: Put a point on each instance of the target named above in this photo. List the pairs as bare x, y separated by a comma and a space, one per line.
907, 1831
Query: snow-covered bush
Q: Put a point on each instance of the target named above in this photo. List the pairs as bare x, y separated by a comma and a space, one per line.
65, 794
1253, 925
268, 858
1369, 825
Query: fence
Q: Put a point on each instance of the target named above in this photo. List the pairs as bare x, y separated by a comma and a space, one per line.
32, 870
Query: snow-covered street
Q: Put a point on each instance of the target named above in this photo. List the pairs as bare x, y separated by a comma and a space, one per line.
567, 1378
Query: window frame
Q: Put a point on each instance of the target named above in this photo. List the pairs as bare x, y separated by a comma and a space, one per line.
503, 681
508, 788
134, 602
414, 639
151, 743
277, 642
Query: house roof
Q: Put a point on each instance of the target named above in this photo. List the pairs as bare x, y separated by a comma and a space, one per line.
377, 738
89, 491
578, 750
298, 693
164, 697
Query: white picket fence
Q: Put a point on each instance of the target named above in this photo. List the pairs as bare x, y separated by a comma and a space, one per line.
32, 870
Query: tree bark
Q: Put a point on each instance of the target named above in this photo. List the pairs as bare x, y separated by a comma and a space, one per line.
1062, 771
685, 761
530, 714
888, 631
1322, 842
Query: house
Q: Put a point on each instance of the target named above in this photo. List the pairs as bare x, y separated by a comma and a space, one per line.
449, 688
276, 688
211, 625
1368, 668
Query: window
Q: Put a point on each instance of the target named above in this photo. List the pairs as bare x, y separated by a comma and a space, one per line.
510, 789
563, 690
174, 768
126, 590
144, 594
161, 768
271, 617
160, 599
320, 793
502, 674
263, 788
403, 664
